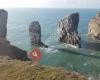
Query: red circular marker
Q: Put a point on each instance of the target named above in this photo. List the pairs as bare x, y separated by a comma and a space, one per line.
35, 54
47, 54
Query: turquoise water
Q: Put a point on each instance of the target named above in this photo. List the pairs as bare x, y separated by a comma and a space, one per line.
85, 60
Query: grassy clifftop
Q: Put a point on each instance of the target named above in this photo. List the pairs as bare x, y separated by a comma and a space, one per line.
24, 70
12, 69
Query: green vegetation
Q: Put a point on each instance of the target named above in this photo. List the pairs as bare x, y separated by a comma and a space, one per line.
25, 70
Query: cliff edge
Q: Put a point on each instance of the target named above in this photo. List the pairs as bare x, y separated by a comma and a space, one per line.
24, 70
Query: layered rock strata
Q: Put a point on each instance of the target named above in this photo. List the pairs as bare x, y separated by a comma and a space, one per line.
67, 30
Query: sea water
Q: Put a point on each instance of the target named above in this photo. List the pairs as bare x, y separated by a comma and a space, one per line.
85, 60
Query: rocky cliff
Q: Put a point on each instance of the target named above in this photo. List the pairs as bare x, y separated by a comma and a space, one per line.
3, 23
67, 30
94, 27
11, 52
35, 34
6, 49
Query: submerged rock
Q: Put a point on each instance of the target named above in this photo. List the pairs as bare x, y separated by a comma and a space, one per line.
94, 27
67, 30
3, 23
35, 34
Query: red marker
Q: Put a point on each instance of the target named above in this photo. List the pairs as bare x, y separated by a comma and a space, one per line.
47, 54
35, 54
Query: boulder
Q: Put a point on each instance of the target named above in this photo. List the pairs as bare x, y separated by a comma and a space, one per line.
67, 30
3, 23
35, 34
94, 27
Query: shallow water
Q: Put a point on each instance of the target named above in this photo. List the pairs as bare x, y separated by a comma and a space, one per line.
85, 60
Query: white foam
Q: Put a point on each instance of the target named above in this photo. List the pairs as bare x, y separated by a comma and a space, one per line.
50, 50
93, 53
70, 45
85, 64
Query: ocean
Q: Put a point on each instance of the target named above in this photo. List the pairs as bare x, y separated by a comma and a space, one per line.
85, 60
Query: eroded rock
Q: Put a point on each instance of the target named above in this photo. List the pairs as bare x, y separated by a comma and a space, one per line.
3, 23
67, 30
94, 27
35, 34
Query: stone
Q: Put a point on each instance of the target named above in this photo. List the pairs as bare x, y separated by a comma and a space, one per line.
3, 23
35, 34
94, 27
67, 30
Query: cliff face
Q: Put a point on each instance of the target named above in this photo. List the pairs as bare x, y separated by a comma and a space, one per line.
35, 34
67, 30
3, 23
11, 52
94, 27
6, 49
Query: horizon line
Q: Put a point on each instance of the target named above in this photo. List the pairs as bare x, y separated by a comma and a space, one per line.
43, 8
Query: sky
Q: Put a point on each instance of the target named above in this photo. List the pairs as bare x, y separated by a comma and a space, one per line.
50, 3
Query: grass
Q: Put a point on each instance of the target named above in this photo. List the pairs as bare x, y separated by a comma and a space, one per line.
25, 70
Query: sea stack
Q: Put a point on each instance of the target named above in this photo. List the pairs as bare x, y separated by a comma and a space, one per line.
3, 23
35, 34
67, 30
94, 27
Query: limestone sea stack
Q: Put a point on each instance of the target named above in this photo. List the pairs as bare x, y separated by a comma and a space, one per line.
35, 34
67, 30
94, 27
3, 23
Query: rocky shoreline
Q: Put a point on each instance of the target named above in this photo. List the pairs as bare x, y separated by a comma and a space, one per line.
67, 33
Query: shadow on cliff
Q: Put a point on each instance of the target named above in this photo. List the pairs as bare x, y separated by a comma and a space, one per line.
19, 53
70, 51
11, 51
